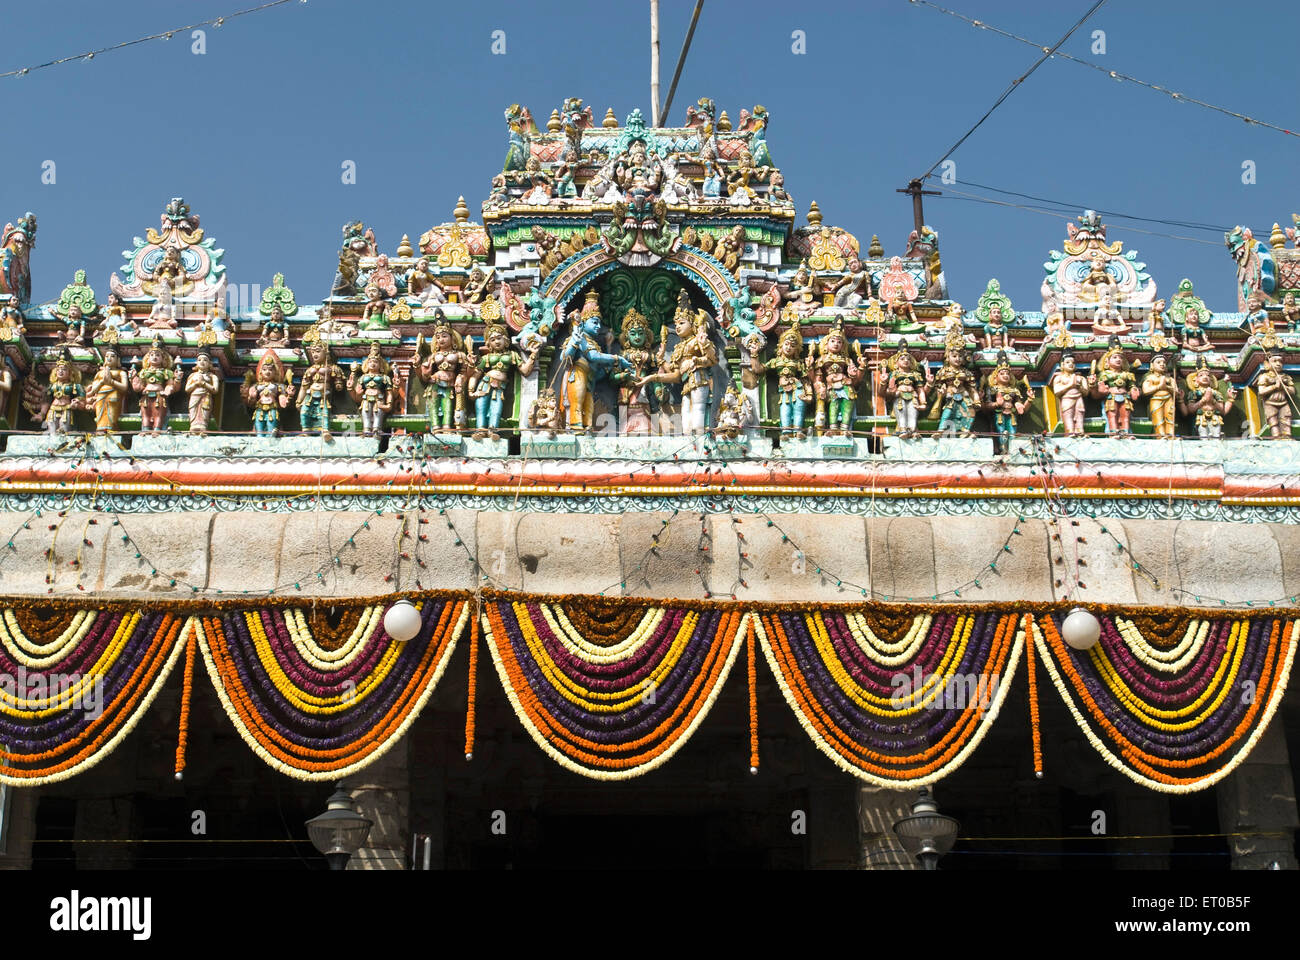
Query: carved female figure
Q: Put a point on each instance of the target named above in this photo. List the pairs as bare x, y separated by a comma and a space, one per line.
74, 325
423, 285
1070, 388
906, 386
996, 332
115, 322
319, 382
275, 332
154, 381
636, 407
202, 386
851, 290
793, 384
163, 314
62, 396
373, 315
805, 291
1194, 337
1291, 312
1277, 397
834, 375
1117, 383
1202, 399
957, 393
1161, 386
1007, 400
1259, 323
107, 392
268, 391
487, 383
373, 391
444, 372
1107, 321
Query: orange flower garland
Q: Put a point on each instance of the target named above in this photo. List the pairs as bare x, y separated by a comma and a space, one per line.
187, 690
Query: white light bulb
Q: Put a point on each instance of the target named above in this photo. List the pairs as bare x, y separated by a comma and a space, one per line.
1081, 629
402, 621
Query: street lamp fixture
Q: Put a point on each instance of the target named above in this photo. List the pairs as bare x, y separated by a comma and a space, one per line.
340, 831
927, 834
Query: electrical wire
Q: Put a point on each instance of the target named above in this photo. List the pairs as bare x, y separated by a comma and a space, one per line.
1113, 74
1047, 53
165, 35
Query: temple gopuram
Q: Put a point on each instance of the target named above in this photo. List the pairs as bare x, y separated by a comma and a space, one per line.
642, 513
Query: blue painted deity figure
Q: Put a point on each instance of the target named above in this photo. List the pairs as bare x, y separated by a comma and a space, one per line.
487, 383
712, 179
586, 363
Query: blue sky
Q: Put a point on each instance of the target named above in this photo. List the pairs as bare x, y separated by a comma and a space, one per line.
253, 133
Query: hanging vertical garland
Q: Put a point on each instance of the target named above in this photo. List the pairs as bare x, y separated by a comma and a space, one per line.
893, 698
611, 689
1175, 702
315, 713
76, 683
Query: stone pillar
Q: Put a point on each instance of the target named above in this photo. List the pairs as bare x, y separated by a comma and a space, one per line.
878, 810
382, 792
19, 828
1259, 798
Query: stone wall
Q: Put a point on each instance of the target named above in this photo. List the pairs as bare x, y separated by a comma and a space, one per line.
905, 557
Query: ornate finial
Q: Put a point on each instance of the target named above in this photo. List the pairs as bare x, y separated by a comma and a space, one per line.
1277, 239
724, 122
814, 214
592, 305
404, 249
278, 295
461, 213
876, 251
610, 120
553, 124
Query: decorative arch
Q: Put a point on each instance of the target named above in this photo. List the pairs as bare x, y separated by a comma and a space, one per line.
704, 271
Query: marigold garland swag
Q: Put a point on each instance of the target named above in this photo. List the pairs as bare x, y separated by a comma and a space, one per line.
898, 695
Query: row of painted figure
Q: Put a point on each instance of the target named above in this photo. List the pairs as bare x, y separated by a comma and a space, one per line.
689, 389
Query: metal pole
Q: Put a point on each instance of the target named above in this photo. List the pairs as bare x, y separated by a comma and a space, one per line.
681, 59
654, 63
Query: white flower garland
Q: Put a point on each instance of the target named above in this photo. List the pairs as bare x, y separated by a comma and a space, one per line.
123, 732
580, 647
1265, 718
1174, 660
628, 773
340, 658
889, 654
999, 696
343, 772
35, 656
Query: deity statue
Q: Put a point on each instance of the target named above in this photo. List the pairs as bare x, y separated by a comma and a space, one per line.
1161, 386
1259, 323
995, 315
382, 276
711, 186
906, 387
202, 386
637, 407
564, 171
522, 130
444, 372
477, 286
372, 388
155, 381
1291, 313
1098, 282
956, 393
805, 291
1193, 334
74, 326
107, 392
1106, 321
1007, 399
1056, 330
776, 192
374, 314
268, 390
639, 175
755, 124
702, 116
116, 323
1277, 397
326, 324
163, 314
320, 381
730, 248
834, 376
744, 174
1118, 384
11, 323
853, 288
996, 331
734, 413
422, 284
539, 186
1070, 388
584, 363
545, 414
793, 381
63, 395
487, 383
275, 332
1156, 335
1202, 399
